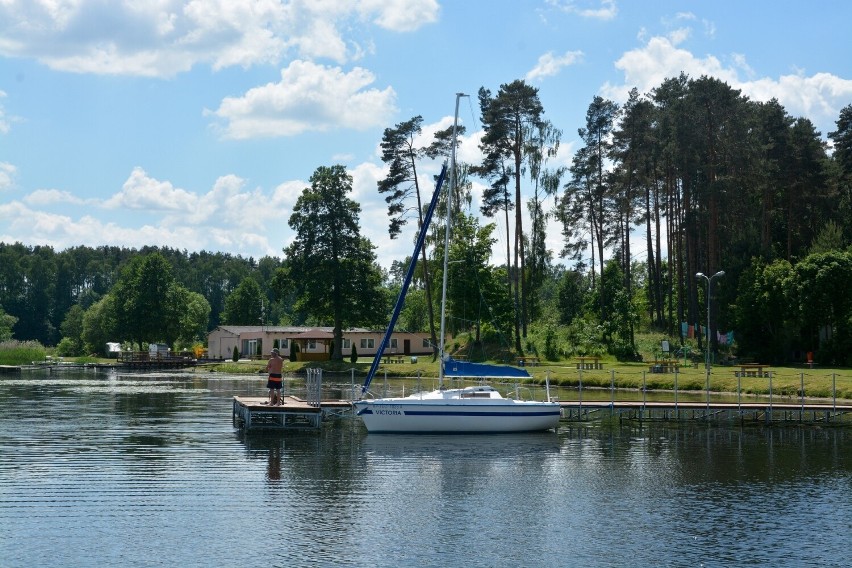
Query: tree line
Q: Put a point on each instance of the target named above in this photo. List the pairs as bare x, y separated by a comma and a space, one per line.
691, 177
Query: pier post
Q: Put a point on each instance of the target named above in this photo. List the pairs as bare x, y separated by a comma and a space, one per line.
834, 392
675, 391
612, 387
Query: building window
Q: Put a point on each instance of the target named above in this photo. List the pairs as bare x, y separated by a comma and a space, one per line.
394, 343
312, 344
347, 344
280, 343
427, 344
368, 343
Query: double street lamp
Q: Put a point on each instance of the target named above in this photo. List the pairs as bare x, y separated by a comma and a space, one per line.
707, 354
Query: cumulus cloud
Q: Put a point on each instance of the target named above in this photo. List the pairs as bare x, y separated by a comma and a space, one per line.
145, 193
550, 64
167, 37
4, 122
60, 231
52, 197
598, 10
308, 97
818, 97
401, 15
7, 173
147, 211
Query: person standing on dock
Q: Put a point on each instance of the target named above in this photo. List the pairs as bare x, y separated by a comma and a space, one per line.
275, 380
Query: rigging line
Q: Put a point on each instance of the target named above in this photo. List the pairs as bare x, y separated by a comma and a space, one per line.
474, 119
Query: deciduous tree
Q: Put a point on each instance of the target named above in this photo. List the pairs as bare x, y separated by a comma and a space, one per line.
332, 268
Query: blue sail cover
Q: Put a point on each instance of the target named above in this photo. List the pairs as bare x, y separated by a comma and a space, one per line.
453, 368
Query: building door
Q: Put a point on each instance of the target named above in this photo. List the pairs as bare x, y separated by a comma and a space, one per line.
406, 346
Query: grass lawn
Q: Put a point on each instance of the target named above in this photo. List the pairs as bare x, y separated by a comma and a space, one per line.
786, 381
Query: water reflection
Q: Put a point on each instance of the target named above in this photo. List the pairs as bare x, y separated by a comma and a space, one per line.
115, 469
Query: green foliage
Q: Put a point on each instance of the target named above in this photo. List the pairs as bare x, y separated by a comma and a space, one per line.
7, 322
244, 306
330, 266
572, 293
766, 311
235, 356
194, 318
72, 332
294, 351
353, 356
14, 352
823, 284
545, 341
585, 337
99, 325
67, 348
830, 238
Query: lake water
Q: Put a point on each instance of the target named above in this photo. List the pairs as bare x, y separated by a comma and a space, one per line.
105, 469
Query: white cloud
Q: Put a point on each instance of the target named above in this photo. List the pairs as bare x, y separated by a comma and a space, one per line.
228, 217
62, 231
51, 197
4, 122
308, 97
145, 193
818, 97
401, 15
550, 64
162, 38
7, 173
600, 10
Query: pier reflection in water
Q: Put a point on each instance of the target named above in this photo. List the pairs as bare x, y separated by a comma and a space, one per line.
108, 469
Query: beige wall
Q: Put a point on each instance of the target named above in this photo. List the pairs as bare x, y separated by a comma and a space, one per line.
221, 342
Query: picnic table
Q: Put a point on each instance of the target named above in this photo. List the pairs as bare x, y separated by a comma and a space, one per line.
664, 366
524, 361
752, 370
589, 363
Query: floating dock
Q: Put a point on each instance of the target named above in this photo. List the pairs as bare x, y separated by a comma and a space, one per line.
251, 413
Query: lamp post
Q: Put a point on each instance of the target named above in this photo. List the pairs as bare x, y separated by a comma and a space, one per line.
707, 354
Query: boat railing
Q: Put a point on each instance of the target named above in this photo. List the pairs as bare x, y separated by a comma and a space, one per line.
516, 394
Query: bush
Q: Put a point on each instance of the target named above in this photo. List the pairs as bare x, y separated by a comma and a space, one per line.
15, 352
353, 357
294, 352
67, 347
236, 355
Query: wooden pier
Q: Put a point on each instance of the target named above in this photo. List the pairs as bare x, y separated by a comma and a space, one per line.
142, 360
767, 412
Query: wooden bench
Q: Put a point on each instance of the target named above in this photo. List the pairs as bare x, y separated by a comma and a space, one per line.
527, 361
589, 363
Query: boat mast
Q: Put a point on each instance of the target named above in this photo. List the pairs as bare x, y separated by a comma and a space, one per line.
447, 242
421, 238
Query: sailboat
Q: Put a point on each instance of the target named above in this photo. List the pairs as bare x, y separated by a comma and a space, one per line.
473, 409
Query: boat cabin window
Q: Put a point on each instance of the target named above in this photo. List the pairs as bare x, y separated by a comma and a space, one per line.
476, 394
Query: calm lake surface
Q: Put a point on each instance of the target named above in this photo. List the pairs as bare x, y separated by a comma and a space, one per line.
110, 469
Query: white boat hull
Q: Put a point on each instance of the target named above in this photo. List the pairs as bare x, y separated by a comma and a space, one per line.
455, 415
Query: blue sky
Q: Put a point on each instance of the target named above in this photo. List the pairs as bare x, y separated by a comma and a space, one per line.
196, 124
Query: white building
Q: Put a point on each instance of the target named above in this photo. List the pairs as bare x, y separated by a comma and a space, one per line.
314, 343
